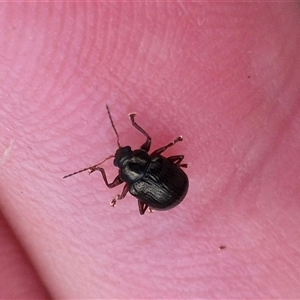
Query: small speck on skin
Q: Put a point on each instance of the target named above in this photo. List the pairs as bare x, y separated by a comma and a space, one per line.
7, 152
222, 247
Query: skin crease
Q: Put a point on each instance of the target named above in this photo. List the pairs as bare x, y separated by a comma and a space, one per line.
225, 76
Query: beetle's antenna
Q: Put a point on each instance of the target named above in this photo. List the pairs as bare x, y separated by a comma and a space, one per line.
113, 125
89, 168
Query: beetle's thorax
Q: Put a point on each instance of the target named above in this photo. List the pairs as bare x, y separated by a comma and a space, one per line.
132, 164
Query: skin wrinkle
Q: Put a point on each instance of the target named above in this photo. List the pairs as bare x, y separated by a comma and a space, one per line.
14, 264
240, 141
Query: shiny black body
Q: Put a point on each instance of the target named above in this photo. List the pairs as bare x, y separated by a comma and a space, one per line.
156, 181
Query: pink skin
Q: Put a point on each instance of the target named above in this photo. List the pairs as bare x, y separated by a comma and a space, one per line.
225, 76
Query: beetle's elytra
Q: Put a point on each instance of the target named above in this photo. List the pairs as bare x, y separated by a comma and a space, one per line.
157, 182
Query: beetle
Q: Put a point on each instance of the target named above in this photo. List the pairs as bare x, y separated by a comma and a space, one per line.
156, 181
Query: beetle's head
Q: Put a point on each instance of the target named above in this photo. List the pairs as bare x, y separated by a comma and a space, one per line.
122, 155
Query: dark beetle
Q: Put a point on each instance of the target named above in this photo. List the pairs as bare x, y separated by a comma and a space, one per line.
156, 181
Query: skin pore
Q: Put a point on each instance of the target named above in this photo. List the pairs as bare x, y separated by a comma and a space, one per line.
223, 75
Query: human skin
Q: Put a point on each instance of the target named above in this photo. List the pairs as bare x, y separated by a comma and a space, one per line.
225, 76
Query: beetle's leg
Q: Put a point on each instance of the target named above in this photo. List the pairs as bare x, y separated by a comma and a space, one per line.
117, 180
119, 197
147, 144
177, 159
142, 207
162, 149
